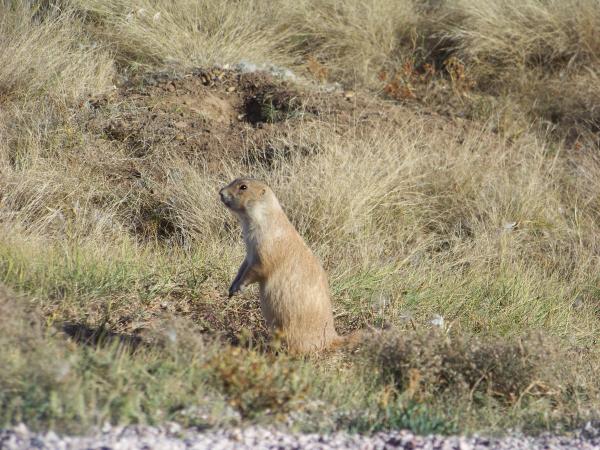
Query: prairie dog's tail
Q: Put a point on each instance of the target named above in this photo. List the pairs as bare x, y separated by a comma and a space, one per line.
352, 341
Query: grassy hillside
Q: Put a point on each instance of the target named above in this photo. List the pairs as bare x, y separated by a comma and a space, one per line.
454, 173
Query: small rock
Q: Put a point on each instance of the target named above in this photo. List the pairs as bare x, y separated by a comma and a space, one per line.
437, 321
235, 435
21, 429
36, 442
173, 428
51, 436
463, 444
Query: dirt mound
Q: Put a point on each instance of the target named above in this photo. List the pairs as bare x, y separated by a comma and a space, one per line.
206, 114
210, 113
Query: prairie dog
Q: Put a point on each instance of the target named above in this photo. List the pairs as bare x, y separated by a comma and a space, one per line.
294, 292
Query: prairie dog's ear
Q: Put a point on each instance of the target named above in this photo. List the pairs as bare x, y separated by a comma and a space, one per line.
262, 191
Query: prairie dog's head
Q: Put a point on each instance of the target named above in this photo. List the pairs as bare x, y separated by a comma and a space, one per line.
244, 194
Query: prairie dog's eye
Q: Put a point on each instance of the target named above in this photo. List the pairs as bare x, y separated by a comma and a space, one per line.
243, 187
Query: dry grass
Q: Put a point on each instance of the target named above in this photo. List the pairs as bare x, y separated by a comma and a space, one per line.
353, 40
514, 36
52, 58
490, 222
186, 33
544, 52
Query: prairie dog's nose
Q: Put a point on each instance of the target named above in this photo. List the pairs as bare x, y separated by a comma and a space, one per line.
223, 194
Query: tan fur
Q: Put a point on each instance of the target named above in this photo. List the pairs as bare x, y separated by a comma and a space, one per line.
294, 292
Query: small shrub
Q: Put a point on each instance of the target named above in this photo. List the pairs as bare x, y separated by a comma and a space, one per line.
427, 364
255, 383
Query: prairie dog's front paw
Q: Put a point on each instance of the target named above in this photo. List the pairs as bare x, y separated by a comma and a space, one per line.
235, 288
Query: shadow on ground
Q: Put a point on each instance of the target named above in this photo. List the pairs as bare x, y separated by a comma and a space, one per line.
100, 336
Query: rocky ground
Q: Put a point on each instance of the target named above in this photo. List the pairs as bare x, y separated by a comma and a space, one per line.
172, 436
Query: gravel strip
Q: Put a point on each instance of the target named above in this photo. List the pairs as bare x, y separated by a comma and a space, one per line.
172, 436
